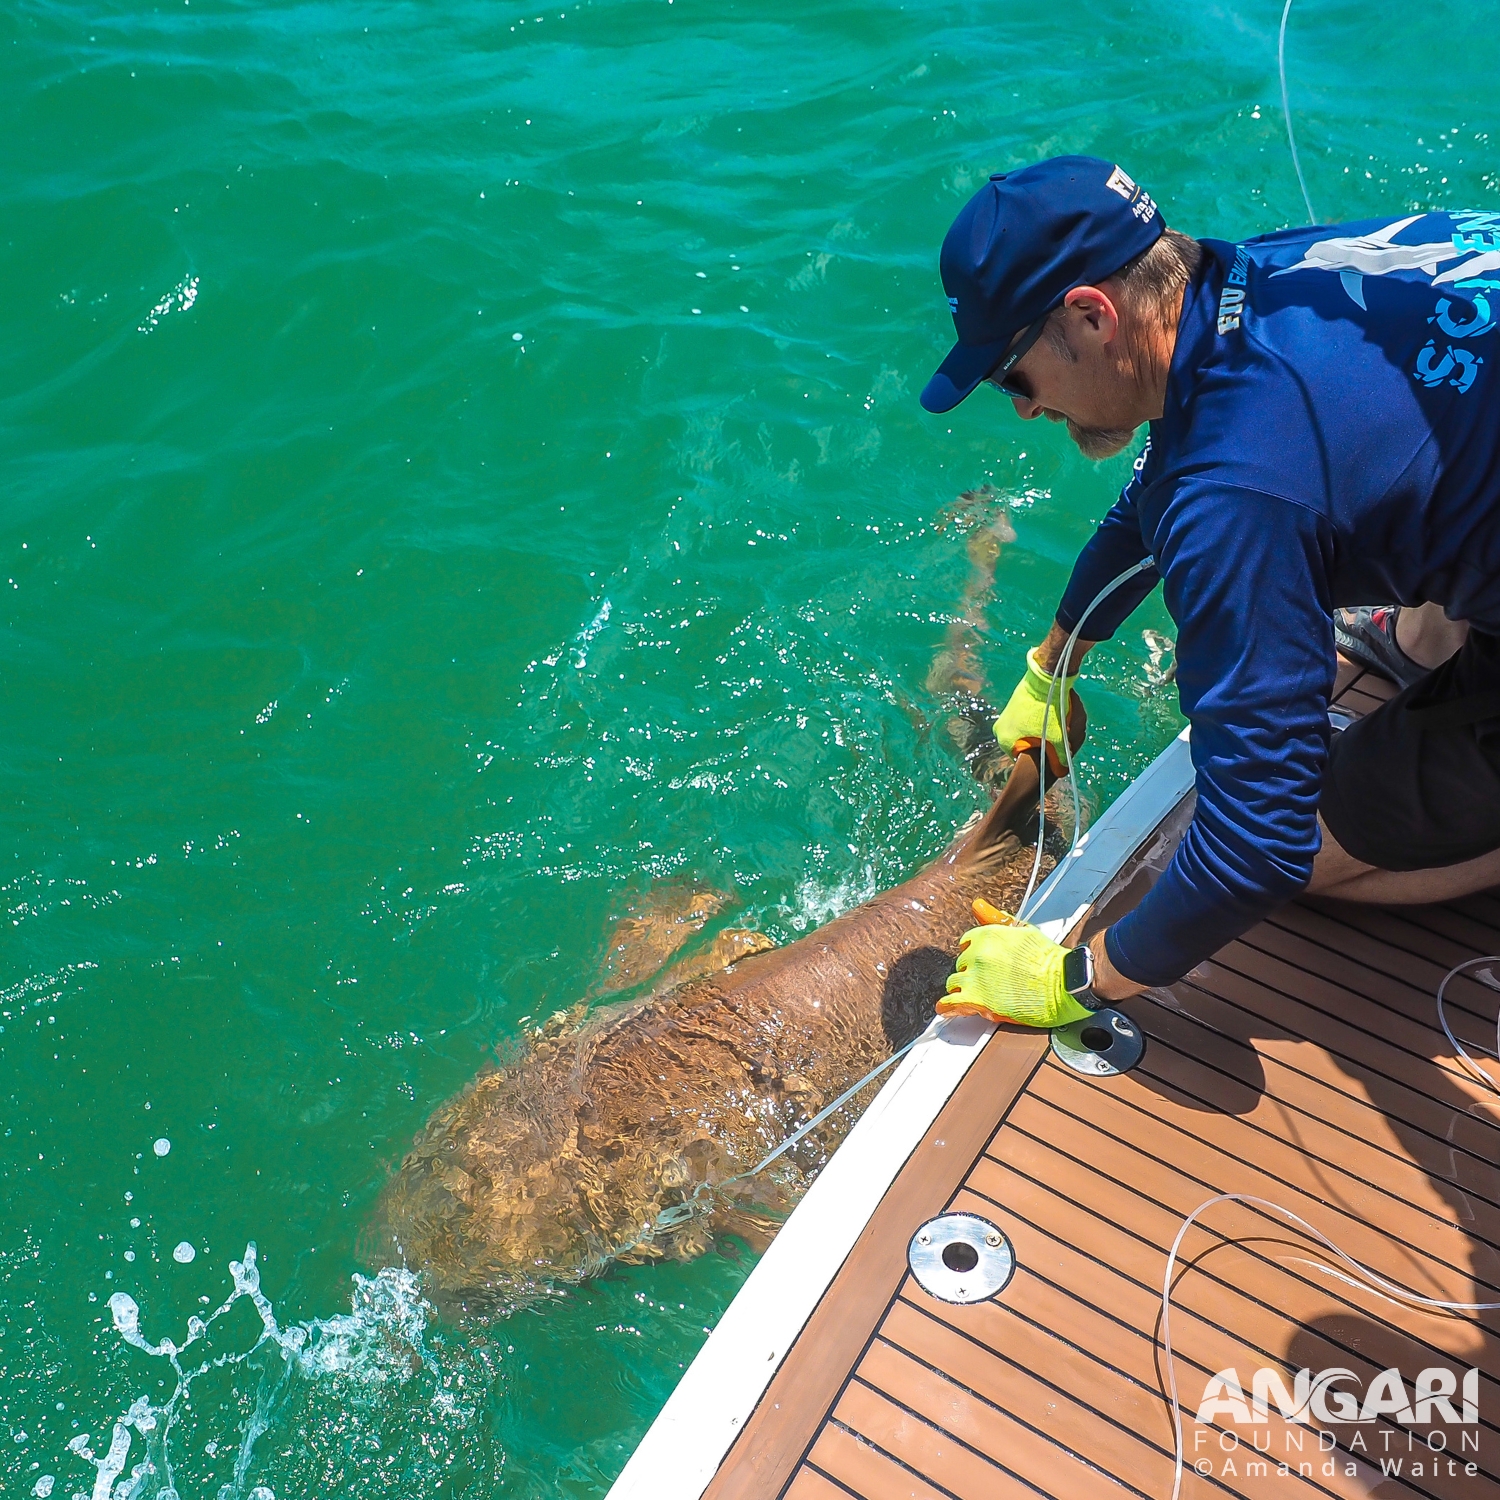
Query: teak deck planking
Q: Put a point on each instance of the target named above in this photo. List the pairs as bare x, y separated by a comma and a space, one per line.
1303, 1064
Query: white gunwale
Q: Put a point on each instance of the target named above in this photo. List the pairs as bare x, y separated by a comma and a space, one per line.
683, 1448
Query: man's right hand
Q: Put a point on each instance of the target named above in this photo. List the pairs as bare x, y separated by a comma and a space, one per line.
1020, 725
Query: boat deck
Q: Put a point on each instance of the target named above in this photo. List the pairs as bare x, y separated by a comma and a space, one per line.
1304, 1064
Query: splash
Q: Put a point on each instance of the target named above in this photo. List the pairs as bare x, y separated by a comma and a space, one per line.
179, 299
379, 1342
817, 902
585, 637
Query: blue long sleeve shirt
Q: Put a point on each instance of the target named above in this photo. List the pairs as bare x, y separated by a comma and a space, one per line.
1331, 436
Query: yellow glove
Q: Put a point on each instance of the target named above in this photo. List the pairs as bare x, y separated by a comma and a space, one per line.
1010, 972
1019, 726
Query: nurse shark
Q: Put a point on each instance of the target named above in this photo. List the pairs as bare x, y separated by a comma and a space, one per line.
566, 1157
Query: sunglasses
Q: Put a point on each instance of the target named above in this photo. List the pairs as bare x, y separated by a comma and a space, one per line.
997, 376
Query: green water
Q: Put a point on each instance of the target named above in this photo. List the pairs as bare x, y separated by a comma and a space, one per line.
459, 467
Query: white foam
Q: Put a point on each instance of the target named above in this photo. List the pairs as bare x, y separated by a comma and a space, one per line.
127, 1316
112, 1465
184, 1253
162, 1146
379, 1341
179, 299
585, 637
817, 903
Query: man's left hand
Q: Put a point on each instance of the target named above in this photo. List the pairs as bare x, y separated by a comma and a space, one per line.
1010, 973
1023, 971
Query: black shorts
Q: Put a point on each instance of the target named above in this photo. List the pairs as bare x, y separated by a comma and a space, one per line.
1415, 785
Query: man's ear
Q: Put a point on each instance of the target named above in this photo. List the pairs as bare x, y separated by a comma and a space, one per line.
1095, 311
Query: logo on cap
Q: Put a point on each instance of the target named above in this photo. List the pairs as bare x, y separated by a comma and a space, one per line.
1141, 204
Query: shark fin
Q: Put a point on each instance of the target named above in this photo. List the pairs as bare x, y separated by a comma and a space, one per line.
1389, 233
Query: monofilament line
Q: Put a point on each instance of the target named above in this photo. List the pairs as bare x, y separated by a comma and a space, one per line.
1286, 111
1458, 1046
1365, 1276
1056, 689
691, 1208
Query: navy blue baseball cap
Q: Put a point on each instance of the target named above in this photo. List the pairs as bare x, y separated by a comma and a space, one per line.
1020, 245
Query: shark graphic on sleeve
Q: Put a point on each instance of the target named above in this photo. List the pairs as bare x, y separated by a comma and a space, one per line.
1472, 245
1361, 255
1354, 257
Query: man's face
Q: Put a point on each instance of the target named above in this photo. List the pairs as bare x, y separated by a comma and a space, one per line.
1073, 374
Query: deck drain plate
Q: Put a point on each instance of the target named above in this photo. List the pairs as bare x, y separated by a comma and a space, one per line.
1100, 1045
960, 1258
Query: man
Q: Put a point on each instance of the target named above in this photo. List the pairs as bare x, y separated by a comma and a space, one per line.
1324, 429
